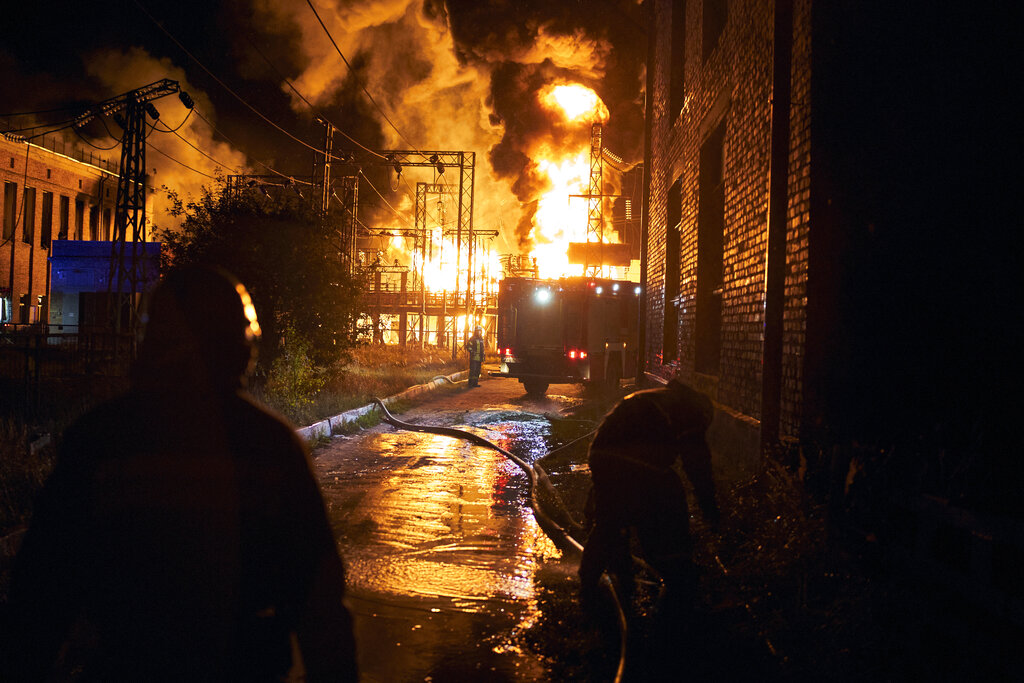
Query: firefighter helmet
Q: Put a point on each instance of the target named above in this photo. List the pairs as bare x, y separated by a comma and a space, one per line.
199, 317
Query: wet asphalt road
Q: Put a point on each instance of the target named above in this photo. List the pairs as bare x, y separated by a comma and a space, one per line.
440, 544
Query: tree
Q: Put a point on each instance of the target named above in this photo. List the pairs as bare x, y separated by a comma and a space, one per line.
286, 254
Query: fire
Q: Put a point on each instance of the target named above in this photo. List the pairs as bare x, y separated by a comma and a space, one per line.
561, 218
577, 102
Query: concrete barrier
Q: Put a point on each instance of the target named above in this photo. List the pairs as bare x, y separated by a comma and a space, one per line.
325, 428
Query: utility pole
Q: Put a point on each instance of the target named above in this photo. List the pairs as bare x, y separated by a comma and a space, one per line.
325, 180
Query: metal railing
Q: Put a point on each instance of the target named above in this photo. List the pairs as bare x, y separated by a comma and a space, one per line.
34, 360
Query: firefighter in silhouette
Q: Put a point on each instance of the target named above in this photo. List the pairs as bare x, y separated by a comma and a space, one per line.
475, 347
635, 488
182, 535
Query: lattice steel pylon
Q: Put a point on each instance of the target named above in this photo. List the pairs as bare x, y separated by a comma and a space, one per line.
130, 110
595, 198
464, 161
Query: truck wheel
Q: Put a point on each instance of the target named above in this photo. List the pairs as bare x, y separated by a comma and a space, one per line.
535, 387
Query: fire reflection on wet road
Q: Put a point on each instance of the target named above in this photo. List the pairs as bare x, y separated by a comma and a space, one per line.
440, 545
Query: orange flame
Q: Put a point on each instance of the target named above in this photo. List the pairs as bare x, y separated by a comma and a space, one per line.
576, 102
561, 218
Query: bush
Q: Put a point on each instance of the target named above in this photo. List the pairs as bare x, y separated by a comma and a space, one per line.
373, 371
294, 379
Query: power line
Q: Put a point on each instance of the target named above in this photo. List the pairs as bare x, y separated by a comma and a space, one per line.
219, 81
159, 151
40, 111
185, 140
183, 122
388, 204
221, 133
363, 88
91, 144
308, 103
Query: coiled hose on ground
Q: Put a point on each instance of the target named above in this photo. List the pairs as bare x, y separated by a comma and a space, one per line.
538, 479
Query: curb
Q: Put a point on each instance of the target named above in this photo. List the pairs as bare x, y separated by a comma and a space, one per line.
325, 428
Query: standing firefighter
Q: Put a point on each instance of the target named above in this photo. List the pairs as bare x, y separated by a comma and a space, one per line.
475, 347
635, 487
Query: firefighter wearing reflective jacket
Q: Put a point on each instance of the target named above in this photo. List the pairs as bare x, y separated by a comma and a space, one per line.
635, 488
475, 347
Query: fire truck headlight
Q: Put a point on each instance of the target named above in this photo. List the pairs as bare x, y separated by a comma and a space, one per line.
599, 290
637, 291
542, 296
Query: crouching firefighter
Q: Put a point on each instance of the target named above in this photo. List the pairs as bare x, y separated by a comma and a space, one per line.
636, 489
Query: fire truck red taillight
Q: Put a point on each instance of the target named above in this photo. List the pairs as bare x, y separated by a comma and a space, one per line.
572, 354
575, 354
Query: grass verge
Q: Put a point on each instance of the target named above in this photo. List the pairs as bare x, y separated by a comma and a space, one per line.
374, 371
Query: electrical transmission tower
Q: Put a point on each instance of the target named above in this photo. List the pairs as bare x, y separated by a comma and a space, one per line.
129, 111
595, 198
440, 160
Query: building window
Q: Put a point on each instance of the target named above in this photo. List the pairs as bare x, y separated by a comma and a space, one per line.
94, 223
46, 221
28, 233
65, 218
10, 209
715, 14
670, 333
710, 238
47, 174
79, 219
79, 183
678, 60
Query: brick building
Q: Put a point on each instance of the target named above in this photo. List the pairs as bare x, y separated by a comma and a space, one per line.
826, 220
48, 195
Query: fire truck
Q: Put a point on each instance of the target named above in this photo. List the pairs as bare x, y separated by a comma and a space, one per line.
567, 331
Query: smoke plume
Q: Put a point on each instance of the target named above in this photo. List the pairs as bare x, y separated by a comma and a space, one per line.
467, 76
183, 161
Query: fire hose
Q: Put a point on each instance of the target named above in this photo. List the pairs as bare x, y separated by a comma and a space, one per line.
538, 479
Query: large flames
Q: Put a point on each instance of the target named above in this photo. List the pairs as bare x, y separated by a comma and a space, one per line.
562, 212
577, 103
562, 163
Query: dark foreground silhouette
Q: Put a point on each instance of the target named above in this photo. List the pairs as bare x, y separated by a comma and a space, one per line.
182, 535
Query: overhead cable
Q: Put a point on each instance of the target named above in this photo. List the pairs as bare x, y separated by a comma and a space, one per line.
221, 133
182, 163
363, 88
185, 140
405, 219
93, 145
310, 104
220, 82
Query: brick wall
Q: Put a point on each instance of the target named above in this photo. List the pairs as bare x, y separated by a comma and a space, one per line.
798, 222
62, 176
731, 86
